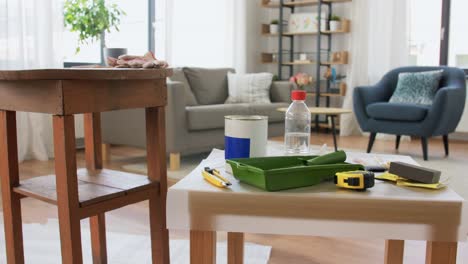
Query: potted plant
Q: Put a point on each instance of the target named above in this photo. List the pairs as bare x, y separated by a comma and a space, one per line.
92, 19
335, 23
274, 25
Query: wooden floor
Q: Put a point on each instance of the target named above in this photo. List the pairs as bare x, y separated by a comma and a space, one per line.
286, 249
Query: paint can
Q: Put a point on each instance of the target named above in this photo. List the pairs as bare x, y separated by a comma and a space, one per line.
245, 136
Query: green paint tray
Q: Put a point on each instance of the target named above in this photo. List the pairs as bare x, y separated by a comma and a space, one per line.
281, 173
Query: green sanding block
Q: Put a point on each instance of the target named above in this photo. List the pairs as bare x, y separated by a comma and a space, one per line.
415, 173
331, 158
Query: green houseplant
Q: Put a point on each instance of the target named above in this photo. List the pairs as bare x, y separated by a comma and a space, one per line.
92, 19
274, 26
335, 23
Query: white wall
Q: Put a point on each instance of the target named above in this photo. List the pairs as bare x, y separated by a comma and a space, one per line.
463, 125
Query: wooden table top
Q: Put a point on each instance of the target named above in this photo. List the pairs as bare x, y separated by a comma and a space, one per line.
385, 211
84, 74
323, 110
82, 90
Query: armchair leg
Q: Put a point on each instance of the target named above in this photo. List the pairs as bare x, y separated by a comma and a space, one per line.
446, 144
424, 147
371, 141
397, 143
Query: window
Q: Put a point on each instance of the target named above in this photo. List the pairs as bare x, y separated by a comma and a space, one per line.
424, 31
437, 32
199, 38
458, 39
133, 34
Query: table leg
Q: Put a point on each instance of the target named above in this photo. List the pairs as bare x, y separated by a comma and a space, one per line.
157, 171
332, 117
235, 248
394, 251
9, 179
93, 156
441, 252
202, 247
93, 148
67, 189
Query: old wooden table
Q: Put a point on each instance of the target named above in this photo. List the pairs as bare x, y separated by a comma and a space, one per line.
385, 211
330, 112
90, 192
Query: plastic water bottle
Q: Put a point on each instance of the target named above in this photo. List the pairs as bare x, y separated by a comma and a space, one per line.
297, 125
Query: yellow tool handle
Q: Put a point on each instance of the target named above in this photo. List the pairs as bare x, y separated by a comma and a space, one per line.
214, 180
218, 174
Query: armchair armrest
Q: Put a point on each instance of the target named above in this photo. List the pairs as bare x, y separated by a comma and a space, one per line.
446, 111
176, 123
362, 97
281, 91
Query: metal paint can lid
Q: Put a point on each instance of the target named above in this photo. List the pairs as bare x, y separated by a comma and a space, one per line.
246, 117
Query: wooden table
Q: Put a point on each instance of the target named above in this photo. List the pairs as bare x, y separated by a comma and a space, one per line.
385, 211
329, 112
90, 192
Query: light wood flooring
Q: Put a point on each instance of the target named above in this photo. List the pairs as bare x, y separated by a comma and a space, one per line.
285, 249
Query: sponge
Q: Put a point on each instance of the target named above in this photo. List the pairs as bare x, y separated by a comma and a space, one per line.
415, 173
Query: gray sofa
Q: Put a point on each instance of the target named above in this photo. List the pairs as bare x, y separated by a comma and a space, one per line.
195, 113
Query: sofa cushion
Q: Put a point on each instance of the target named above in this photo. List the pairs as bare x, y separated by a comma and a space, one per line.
179, 76
249, 88
209, 85
204, 117
397, 111
270, 110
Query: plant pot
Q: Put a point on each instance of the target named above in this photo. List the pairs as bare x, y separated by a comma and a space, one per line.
113, 52
274, 29
335, 25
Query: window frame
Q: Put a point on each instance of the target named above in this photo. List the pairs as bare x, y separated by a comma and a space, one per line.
445, 34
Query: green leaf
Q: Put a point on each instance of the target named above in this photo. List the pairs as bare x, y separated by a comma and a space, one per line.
90, 18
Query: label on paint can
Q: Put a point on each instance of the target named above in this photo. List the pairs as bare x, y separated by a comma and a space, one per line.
245, 136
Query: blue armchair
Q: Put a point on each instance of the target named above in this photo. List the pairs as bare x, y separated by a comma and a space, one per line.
376, 115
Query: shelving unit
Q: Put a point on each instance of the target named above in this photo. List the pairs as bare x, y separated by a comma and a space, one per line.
291, 37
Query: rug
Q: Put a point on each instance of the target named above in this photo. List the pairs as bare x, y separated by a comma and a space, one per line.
42, 246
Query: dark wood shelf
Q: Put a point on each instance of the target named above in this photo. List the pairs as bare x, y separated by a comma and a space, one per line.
93, 186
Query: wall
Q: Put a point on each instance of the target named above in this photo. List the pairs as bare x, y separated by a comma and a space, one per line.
463, 126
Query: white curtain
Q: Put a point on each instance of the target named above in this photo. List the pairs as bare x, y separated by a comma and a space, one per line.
220, 36
30, 32
378, 43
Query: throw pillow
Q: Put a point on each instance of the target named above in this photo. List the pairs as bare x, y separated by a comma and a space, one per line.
208, 85
249, 88
416, 87
178, 75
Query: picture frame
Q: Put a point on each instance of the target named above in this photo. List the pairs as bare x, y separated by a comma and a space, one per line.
304, 22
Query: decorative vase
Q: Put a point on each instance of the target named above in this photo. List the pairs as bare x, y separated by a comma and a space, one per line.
113, 52
273, 28
335, 25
